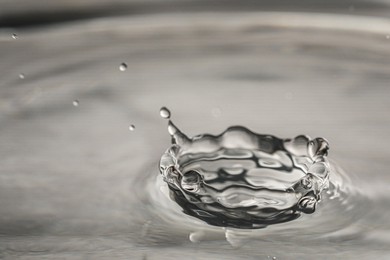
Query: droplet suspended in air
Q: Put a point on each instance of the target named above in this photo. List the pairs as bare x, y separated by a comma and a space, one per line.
21, 76
165, 113
14, 36
123, 67
132, 127
76, 103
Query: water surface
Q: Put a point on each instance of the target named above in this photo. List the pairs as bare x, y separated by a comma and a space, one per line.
75, 183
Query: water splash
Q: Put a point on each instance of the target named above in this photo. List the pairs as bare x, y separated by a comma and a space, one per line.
242, 179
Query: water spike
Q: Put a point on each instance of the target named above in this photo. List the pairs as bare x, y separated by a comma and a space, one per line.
177, 136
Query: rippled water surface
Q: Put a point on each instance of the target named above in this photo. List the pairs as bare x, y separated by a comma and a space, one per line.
81, 136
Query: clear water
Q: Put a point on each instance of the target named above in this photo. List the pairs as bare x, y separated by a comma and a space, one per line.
75, 183
245, 180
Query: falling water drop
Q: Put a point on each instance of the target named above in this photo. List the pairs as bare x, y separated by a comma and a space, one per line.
165, 113
21, 76
123, 67
132, 127
14, 36
76, 103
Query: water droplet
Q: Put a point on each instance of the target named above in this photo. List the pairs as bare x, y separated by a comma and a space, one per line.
123, 67
274, 258
132, 127
165, 113
21, 76
308, 204
388, 36
14, 36
76, 103
318, 147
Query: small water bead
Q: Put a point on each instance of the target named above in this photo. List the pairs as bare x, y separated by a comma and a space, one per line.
14, 36
308, 204
123, 67
76, 103
165, 113
318, 147
132, 127
21, 76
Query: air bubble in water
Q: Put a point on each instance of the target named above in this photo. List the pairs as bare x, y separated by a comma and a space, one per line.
123, 67
165, 113
76, 103
21, 76
132, 127
14, 36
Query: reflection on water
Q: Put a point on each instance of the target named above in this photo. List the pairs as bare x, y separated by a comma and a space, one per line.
245, 180
76, 183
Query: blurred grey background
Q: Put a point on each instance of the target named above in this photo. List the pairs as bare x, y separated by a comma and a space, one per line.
21, 13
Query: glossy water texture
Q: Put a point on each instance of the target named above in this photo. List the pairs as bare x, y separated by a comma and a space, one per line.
75, 183
245, 180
